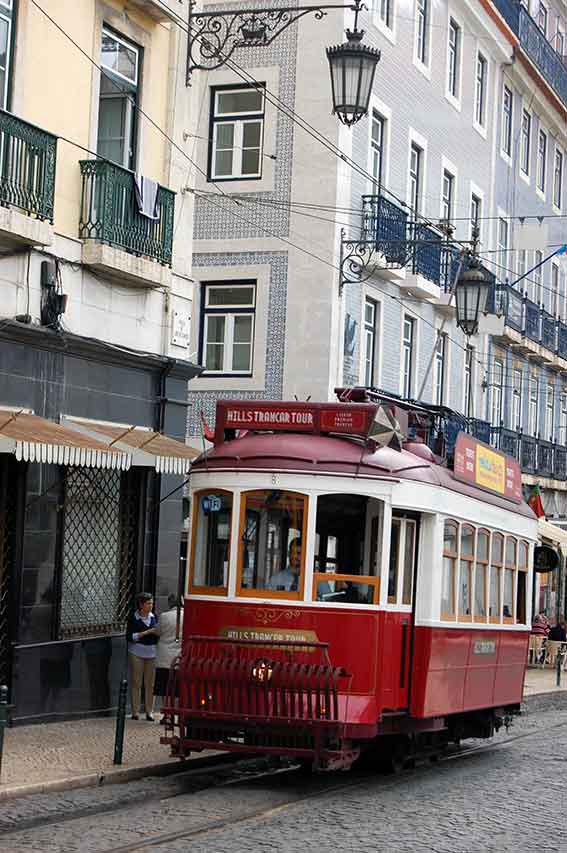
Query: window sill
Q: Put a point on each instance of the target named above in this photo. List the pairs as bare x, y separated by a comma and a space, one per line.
280, 595
525, 178
387, 32
480, 129
506, 157
540, 193
208, 375
454, 101
211, 179
423, 69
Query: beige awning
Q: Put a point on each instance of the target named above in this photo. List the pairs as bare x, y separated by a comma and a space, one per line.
34, 439
148, 449
552, 532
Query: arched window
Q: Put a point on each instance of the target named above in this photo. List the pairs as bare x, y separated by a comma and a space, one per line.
450, 555
466, 571
481, 575
496, 565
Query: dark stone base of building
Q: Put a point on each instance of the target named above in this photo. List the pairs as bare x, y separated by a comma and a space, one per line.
77, 543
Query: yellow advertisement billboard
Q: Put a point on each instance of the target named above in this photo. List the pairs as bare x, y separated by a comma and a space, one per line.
490, 469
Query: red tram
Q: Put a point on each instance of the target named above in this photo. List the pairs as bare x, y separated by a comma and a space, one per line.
345, 597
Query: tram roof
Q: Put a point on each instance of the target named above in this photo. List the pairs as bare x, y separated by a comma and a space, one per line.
322, 454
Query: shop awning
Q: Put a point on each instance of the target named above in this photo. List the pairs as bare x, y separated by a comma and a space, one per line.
553, 533
34, 439
148, 449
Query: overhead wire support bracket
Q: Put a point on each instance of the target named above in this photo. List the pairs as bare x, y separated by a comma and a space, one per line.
214, 36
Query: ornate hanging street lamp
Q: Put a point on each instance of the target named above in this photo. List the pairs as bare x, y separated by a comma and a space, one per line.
471, 291
352, 67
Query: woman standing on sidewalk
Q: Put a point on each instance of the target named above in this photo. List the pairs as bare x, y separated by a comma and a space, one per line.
142, 635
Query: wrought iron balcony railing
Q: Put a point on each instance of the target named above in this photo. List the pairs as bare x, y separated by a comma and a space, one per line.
385, 224
560, 467
548, 331
510, 11
542, 54
28, 158
109, 213
426, 252
562, 339
532, 321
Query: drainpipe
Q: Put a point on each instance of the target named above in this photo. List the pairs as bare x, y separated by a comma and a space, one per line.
155, 492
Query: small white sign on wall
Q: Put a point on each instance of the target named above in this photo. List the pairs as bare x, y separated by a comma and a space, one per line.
180, 329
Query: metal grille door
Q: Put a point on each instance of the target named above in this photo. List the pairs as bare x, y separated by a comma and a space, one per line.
99, 553
8, 511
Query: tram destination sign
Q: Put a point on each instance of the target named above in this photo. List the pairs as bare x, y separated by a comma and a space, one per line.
482, 466
346, 418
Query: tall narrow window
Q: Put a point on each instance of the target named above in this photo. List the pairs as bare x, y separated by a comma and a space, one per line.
526, 143
440, 369
384, 12
237, 118
415, 177
533, 405
555, 290
516, 399
422, 11
542, 17
466, 571
549, 412
541, 160
228, 327
509, 577
563, 417
522, 588
450, 553
370, 320
496, 566
537, 282
447, 199
377, 147
408, 356
507, 119
468, 402
558, 178
560, 43
6, 47
496, 397
522, 266
119, 83
476, 211
480, 90
453, 58
503, 229
481, 575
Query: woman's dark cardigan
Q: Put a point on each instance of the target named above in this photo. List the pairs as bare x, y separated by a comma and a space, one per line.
136, 626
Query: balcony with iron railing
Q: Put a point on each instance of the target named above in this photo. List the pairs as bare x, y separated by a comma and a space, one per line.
535, 45
535, 455
28, 157
385, 224
118, 238
532, 321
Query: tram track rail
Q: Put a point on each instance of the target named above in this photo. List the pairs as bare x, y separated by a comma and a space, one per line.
234, 773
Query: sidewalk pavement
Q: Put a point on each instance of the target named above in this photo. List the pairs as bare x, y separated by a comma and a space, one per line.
76, 753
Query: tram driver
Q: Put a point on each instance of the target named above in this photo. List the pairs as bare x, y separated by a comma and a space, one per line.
288, 578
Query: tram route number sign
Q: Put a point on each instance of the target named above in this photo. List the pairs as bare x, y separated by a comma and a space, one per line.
484, 647
482, 466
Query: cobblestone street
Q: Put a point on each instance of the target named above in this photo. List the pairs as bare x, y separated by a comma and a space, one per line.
509, 797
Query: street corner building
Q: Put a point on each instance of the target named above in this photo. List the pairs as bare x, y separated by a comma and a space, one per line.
94, 358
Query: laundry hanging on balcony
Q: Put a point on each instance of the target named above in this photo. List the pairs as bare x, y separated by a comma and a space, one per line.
146, 196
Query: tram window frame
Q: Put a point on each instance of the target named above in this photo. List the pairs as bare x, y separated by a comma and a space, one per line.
521, 609
481, 564
342, 585
496, 567
403, 573
252, 592
452, 556
469, 561
198, 514
510, 570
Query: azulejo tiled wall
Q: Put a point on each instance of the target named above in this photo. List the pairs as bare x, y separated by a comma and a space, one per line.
266, 212
206, 401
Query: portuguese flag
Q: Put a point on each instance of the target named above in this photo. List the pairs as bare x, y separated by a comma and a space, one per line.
535, 502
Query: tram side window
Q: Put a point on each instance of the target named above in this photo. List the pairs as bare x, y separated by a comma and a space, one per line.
466, 569
496, 565
521, 595
348, 546
449, 570
211, 540
481, 574
272, 543
509, 573
402, 560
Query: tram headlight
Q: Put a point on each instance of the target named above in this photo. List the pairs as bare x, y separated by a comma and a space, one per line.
262, 671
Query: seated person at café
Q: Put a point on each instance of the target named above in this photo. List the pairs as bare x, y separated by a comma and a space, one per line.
558, 633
